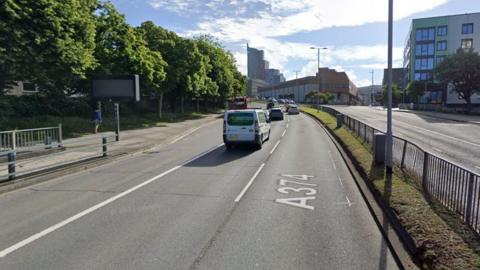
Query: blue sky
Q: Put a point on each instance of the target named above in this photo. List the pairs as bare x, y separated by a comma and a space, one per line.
354, 31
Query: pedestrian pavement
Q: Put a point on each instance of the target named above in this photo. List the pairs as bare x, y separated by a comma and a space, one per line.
473, 119
90, 146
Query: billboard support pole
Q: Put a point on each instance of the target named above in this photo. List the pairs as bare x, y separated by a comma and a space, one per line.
117, 121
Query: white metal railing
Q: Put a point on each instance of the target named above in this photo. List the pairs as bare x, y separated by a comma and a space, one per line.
19, 140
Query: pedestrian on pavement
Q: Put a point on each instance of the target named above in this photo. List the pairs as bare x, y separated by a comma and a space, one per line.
97, 119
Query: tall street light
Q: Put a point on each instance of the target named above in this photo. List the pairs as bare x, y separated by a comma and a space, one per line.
389, 159
318, 70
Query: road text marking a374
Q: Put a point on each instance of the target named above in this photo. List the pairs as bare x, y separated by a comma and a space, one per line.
306, 190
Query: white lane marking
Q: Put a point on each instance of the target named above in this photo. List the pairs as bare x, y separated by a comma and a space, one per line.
436, 149
239, 197
285, 131
190, 132
348, 201
71, 219
275, 147
331, 159
340, 180
286, 126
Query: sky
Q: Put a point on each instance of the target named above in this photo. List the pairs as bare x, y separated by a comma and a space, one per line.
353, 31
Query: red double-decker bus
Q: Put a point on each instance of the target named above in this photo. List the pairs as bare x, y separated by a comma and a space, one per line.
238, 103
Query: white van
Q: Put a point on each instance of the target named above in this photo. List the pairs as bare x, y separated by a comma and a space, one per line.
245, 126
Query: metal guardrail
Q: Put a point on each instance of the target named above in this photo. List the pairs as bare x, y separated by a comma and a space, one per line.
14, 168
455, 187
25, 139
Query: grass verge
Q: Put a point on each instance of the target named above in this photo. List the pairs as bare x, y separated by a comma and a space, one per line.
78, 126
442, 240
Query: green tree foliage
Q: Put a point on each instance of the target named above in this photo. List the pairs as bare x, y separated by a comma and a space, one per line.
61, 45
396, 95
47, 42
462, 71
415, 90
122, 49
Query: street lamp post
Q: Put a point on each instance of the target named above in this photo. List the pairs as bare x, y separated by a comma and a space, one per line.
318, 71
389, 158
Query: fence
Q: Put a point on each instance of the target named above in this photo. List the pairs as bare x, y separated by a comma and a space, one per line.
18, 140
453, 186
80, 150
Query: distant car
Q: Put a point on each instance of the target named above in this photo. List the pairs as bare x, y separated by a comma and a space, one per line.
276, 114
293, 109
249, 126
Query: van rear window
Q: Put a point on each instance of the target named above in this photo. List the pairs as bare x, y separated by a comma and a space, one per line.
240, 119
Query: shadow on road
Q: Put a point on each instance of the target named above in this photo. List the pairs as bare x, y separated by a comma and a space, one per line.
222, 156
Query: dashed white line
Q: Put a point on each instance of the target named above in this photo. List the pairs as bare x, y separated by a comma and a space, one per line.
71, 219
340, 180
285, 131
348, 201
239, 197
275, 147
286, 126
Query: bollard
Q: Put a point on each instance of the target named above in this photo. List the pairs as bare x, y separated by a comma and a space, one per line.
379, 148
48, 142
339, 120
11, 165
104, 146
59, 135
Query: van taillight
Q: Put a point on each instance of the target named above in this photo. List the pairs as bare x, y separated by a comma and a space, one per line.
257, 126
224, 126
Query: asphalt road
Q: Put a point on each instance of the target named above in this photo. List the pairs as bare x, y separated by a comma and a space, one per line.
458, 142
195, 205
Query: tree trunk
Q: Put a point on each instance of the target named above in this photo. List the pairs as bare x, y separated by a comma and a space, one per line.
182, 107
468, 99
160, 105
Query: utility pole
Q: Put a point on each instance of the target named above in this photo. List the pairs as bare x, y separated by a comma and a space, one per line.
371, 94
296, 98
318, 72
389, 157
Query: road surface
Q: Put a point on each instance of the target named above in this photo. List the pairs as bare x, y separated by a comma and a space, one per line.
194, 205
458, 142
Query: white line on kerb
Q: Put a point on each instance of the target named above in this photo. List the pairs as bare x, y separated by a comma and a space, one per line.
239, 197
275, 147
285, 131
71, 219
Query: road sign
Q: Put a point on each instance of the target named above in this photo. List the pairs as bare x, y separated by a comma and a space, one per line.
116, 88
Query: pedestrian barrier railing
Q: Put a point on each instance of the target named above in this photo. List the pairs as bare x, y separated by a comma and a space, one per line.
454, 186
25, 139
81, 150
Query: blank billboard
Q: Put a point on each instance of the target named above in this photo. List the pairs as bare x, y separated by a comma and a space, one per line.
116, 88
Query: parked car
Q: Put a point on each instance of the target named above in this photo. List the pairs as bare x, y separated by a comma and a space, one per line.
270, 105
293, 109
249, 126
276, 114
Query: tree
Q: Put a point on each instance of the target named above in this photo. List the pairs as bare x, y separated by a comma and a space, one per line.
396, 95
123, 49
462, 71
415, 90
47, 42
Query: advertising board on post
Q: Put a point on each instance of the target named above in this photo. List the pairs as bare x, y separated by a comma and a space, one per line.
116, 88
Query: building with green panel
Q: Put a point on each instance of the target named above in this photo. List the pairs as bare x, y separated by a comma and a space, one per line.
430, 41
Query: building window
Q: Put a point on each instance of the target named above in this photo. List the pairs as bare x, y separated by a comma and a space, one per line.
442, 45
467, 28
424, 34
440, 59
425, 49
442, 30
423, 76
467, 43
424, 63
